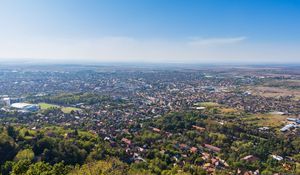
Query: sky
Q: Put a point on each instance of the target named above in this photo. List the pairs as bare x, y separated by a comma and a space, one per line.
155, 31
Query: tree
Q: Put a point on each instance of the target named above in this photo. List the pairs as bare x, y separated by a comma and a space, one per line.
108, 167
20, 167
71, 154
60, 169
7, 148
26, 154
297, 171
40, 168
11, 132
7, 167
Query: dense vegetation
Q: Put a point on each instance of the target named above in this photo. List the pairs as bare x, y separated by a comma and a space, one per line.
58, 150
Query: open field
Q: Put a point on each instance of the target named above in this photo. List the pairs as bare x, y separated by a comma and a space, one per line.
69, 109
270, 120
207, 104
45, 106
275, 92
290, 84
228, 110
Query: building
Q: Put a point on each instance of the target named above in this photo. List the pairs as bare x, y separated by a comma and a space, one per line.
287, 127
127, 141
279, 158
250, 158
25, 107
198, 128
200, 108
5, 101
212, 148
291, 119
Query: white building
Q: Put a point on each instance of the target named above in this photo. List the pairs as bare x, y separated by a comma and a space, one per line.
25, 106
6, 101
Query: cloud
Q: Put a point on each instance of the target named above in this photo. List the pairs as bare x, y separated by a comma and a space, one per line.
216, 41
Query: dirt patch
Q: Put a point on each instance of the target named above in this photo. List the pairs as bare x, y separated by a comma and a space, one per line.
275, 92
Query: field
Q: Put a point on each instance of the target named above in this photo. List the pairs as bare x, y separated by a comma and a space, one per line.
69, 109
270, 120
228, 110
268, 91
207, 104
290, 84
45, 106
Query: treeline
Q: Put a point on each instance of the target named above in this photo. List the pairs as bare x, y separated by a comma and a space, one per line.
71, 99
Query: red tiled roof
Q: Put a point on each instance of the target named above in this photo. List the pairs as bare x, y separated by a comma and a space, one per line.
127, 141
213, 148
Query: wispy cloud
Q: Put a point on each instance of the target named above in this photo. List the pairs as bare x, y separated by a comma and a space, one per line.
216, 41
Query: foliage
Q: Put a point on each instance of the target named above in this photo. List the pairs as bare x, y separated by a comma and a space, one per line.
26, 154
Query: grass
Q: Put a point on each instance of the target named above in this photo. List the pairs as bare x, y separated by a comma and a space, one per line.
69, 109
207, 104
270, 120
45, 106
228, 110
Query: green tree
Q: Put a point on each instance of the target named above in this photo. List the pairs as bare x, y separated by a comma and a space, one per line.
109, 167
7, 148
40, 168
11, 132
297, 171
7, 167
26, 154
60, 169
20, 167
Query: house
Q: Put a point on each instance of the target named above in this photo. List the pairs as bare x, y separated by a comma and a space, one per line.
198, 128
106, 139
264, 128
183, 146
127, 141
205, 156
250, 158
279, 158
200, 108
291, 119
156, 130
212, 148
193, 149
287, 127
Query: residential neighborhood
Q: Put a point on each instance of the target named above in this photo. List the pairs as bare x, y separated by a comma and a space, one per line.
185, 115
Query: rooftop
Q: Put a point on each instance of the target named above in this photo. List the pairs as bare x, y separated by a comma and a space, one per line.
20, 105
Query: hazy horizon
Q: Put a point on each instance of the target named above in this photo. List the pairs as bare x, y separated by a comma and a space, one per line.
87, 62
150, 31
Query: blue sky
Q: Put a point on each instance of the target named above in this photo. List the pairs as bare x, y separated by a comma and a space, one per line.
188, 31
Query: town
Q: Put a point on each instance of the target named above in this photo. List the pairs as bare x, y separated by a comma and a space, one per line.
204, 114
